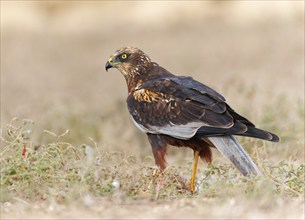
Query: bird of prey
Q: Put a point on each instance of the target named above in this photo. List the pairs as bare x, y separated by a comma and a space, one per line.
180, 111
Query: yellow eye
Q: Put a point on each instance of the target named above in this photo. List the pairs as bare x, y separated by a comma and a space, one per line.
124, 56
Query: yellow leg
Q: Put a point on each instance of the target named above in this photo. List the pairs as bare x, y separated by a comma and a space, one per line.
192, 183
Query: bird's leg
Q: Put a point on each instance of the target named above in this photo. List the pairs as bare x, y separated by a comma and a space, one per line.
159, 155
192, 183
159, 149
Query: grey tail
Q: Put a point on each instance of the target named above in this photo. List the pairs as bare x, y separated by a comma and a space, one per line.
231, 149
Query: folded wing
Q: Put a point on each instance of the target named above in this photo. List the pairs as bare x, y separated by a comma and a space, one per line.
182, 107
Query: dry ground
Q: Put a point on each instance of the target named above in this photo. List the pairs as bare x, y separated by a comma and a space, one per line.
52, 72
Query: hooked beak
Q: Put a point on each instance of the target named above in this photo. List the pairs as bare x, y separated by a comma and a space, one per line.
108, 66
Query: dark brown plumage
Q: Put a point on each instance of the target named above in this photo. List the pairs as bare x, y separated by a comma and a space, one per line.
179, 111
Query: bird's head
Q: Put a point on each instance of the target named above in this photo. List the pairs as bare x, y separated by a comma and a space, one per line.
129, 61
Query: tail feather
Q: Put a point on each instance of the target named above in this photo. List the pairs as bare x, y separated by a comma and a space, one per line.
232, 150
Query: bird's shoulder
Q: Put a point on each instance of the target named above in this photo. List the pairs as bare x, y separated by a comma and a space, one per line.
175, 87
161, 80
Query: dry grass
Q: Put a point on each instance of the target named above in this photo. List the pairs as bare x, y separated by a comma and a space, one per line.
54, 176
79, 156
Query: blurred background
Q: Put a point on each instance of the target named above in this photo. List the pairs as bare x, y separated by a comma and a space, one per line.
53, 55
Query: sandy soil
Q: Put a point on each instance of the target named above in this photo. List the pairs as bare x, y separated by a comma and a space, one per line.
204, 208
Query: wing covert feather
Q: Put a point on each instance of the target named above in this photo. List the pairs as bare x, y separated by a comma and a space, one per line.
165, 107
